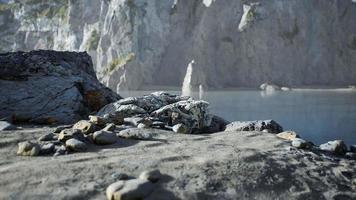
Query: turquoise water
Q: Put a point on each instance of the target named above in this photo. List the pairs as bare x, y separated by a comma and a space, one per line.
317, 115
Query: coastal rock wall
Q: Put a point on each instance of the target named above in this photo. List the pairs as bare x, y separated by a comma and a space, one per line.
242, 43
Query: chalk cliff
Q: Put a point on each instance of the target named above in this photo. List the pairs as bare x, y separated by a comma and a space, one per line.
240, 43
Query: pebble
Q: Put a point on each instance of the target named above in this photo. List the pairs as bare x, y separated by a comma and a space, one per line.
28, 149
47, 137
47, 148
104, 137
132, 189
67, 134
76, 145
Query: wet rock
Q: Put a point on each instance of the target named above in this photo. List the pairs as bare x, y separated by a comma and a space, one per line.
181, 128
48, 137
337, 146
76, 145
288, 135
301, 144
152, 176
353, 148
85, 126
47, 148
67, 79
109, 127
98, 120
104, 137
28, 149
129, 189
136, 133
6, 126
260, 125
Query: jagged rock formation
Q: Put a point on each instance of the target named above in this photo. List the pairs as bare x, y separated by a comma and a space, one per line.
50, 87
290, 43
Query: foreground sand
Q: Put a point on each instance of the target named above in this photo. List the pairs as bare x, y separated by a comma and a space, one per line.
226, 165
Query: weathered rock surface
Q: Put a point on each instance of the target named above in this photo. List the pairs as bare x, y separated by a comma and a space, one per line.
6, 126
301, 144
260, 125
76, 145
50, 87
225, 165
105, 137
129, 189
336, 146
132, 42
85, 126
136, 133
288, 135
28, 149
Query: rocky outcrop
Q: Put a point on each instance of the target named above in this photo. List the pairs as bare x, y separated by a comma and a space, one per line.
50, 87
239, 43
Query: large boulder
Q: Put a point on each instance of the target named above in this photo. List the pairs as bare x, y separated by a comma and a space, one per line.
50, 87
270, 125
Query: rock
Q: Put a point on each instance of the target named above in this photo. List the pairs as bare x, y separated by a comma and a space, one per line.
129, 189
6, 126
48, 137
142, 125
288, 135
109, 127
122, 110
60, 150
350, 155
270, 125
181, 128
67, 134
49, 87
353, 148
269, 87
152, 176
193, 114
337, 146
301, 144
104, 137
47, 148
136, 133
98, 120
61, 128
133, 121
76, 145
84, 126
217, 124
158, 124
285, 89
119, 176
28, 149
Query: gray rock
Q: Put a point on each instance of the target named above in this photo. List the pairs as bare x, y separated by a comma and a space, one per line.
129, 189
353, 148
104, 137
181, 128
85, 126
110, 127
142, 125
60, 150
47, 148
6, 126
48, 137
67, 134
133, 121
58, 129
28, 149
98, 120
119, 176
336, 146
136, 133
350, 155
152, 176
301, 144
260, 125
158, 124
50, 87
76, 145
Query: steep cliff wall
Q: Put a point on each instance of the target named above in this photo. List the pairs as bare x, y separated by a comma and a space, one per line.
236, 43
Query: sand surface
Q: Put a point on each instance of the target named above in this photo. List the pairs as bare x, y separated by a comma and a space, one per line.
226, 165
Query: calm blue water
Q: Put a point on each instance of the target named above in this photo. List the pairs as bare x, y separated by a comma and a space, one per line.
318, 116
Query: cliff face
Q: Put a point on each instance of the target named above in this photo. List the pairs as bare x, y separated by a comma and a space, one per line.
240, 43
